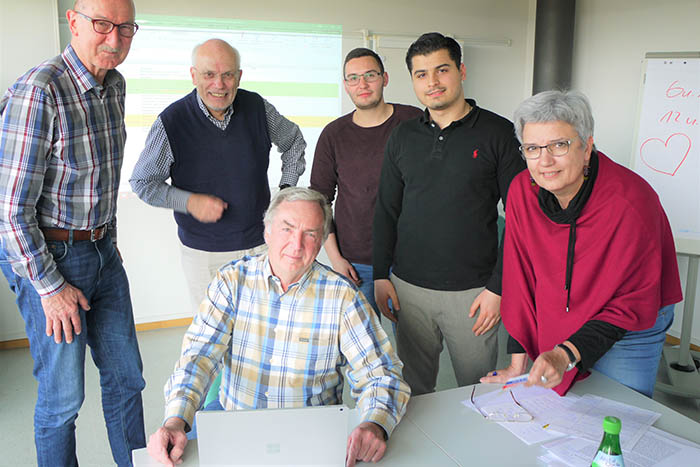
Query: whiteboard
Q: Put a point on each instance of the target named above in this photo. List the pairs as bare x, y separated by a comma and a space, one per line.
667, 141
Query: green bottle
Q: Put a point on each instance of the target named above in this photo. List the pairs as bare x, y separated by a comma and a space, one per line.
609, 452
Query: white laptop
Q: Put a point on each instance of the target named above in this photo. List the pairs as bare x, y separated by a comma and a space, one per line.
300, 437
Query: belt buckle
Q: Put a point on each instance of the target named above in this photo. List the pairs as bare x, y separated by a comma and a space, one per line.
93, 235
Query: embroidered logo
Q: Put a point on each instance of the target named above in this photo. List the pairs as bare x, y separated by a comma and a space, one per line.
475, 154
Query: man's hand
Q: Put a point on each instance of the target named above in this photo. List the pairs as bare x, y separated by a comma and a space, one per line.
366, 443
62, 314
383, 291
168, 443
343, 266
206, 208
489, 305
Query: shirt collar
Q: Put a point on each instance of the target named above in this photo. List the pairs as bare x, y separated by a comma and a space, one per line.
468, 119
208, 114
301, 284
84, 79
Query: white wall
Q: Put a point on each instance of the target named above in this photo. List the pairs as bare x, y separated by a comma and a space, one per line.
497, 76
16, 57
611, 39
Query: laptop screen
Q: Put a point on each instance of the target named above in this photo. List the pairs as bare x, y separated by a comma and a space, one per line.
307, 436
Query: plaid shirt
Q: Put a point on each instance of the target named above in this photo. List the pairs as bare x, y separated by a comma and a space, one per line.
62, 140
286, 349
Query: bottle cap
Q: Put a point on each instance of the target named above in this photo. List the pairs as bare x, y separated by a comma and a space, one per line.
612, 425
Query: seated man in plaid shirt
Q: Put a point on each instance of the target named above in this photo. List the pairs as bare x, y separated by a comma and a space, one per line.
284, 326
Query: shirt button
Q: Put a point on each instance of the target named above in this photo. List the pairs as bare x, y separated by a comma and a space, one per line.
432, 125
441, 138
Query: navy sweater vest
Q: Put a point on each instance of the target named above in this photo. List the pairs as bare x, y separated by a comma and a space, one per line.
230, 164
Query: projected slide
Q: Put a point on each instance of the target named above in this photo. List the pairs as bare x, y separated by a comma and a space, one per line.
295, 66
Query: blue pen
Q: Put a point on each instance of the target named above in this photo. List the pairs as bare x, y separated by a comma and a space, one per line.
516, 380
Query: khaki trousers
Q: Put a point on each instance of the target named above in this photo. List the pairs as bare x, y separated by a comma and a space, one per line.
426, 317
200, 267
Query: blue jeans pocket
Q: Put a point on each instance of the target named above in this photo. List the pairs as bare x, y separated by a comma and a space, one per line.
59, 250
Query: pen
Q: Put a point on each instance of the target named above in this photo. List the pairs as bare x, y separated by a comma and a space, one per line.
521, 379
516, 380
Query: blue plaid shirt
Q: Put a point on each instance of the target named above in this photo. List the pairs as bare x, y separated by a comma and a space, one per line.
62, 140
286, 349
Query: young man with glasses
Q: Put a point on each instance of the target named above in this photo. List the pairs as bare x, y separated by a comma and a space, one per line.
214, 145
436, 222
62, 137
348, 158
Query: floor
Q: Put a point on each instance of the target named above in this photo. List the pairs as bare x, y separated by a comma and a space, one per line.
159, 351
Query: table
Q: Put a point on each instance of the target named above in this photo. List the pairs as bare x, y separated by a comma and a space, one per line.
438, 430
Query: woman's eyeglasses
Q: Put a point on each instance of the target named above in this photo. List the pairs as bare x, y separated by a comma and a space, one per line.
516, 413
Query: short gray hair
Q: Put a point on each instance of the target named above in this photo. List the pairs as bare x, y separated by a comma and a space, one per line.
295, 193
235, 51
570, 107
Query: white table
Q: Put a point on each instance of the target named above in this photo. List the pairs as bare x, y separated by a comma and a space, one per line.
438, 430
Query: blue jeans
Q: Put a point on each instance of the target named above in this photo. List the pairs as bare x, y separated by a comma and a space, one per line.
364, 272
108, 328
634, 359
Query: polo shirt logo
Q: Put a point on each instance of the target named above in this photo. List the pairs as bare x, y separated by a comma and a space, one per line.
475, 154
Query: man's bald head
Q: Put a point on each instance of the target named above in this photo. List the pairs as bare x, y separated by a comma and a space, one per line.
216, 72
79, 5
216, 47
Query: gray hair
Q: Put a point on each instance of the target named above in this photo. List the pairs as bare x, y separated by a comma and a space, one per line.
570, 107
295, 193
237, 54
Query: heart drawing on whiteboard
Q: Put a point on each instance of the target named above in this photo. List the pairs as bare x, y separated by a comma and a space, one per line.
665, 157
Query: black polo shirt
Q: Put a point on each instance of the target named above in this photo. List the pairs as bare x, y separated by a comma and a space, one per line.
436, 216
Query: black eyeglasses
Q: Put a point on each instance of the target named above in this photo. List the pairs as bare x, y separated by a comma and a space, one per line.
102, 26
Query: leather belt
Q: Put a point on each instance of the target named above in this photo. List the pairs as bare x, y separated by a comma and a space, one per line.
64, 235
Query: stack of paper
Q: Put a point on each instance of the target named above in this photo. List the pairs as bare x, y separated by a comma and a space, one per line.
571, 427
655, 448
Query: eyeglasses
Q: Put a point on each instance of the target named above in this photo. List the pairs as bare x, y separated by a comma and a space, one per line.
510, 415
227, 76
102, 26
370, 77
556, 149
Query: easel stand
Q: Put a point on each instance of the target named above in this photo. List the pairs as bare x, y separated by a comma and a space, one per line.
681, 369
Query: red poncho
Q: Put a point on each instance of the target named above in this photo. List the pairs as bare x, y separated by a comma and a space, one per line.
624, 271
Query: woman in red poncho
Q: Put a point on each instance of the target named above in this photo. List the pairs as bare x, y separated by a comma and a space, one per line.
589, 268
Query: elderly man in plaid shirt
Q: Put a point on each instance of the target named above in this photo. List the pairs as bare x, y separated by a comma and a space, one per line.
284, 327
62, 139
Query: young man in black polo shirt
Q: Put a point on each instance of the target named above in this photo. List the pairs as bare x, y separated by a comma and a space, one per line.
435, 223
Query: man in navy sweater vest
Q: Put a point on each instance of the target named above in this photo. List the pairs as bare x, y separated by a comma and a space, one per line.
214, 145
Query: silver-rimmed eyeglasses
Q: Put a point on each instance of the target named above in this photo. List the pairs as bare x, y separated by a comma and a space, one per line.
517, 413
370, 77
556, 149
226, 76
103, 26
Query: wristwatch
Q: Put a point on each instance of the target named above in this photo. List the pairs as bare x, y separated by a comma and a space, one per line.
570, 354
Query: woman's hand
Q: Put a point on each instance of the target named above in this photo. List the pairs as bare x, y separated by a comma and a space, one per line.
518, 365
548, 369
